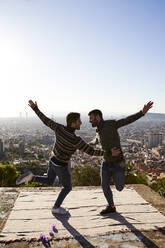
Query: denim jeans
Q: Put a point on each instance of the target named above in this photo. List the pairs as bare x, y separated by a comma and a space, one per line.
64, 177
107, 171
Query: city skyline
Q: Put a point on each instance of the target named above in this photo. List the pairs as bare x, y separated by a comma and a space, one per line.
80, 55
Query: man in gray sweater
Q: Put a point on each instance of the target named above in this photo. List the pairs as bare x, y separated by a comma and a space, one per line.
108, 137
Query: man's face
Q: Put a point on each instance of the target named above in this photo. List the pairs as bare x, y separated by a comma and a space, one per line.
93, 120
78, 124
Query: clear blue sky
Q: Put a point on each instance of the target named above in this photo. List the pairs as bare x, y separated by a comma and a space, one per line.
76, 55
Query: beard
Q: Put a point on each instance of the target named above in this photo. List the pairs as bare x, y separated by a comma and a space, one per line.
94, 124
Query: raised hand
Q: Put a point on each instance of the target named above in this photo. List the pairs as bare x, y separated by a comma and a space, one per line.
115, 152
32, 104
147, 107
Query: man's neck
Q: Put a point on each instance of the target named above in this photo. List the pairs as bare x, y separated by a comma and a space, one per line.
99, 123
72, 129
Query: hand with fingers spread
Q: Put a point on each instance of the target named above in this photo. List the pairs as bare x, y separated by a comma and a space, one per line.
32, 104
147, 107
115, 152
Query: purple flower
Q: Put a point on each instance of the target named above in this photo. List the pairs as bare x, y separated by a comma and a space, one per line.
53, 227
47, 239
41, 236
51, 233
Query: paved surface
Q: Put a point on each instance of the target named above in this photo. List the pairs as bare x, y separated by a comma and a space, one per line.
31, 215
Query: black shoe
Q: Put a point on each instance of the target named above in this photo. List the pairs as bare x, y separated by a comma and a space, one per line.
108, 209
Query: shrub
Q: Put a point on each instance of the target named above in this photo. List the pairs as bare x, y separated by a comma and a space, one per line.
85, 176
8, 175
159, 186
32, 184
133, 178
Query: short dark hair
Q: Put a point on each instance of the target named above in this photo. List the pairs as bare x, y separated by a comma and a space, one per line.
72, 117
96, 112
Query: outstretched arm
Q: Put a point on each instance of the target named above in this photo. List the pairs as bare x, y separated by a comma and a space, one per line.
132, 118
48, 122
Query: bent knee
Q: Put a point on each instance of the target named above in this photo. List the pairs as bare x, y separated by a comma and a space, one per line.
120, 187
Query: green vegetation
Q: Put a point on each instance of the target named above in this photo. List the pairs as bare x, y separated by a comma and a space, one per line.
81, 176
133, 178
90, 176
8, 175
32, 184
159, 186
86, 176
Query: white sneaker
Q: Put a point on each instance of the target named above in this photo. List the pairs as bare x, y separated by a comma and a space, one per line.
25, 178
59, 210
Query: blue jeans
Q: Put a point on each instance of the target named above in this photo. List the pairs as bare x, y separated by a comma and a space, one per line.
64, 177
107, 171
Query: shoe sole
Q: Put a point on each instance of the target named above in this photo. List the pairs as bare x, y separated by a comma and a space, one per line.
59, 213
25, 178
107, 213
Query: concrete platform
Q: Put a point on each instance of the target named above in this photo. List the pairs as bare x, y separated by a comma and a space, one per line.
31, 215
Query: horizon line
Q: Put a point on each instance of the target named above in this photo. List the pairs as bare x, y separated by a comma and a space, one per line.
63, 115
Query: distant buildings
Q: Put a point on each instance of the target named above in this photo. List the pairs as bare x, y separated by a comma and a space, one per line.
21, 148
26, 140
154, 140
1, 148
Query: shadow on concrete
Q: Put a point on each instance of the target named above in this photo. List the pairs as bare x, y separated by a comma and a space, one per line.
46, 244
118, 217
76, 235
162, 230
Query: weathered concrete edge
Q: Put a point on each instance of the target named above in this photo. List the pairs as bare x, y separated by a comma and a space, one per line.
68, 237
6, 217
